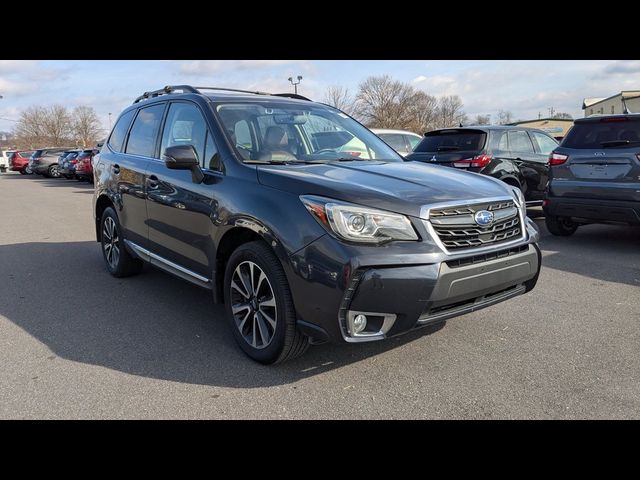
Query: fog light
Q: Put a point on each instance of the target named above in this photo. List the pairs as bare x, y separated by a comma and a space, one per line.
359, 323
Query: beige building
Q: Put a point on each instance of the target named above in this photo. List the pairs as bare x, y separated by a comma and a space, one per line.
556, 127
613, 104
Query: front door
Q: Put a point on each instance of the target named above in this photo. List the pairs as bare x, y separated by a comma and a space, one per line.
180, 211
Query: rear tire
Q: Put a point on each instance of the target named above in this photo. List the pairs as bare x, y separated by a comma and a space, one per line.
53, 171
120, 263
264, 323
560, 226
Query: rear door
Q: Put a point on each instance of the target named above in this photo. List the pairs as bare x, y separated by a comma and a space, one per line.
444, 147
603, 160
127, 169
533, 168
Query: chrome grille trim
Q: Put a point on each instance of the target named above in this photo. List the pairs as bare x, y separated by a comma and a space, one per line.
454, 230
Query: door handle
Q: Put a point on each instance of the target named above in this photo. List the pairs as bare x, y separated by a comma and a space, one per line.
116, 169
152, 181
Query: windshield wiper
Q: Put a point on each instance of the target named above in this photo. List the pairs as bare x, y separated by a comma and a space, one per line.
618, 143
447, 149
272, 162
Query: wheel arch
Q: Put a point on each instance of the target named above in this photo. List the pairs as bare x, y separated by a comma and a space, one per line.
102, 203
244, 231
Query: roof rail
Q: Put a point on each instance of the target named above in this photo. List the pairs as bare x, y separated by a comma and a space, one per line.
166, 90
189, 89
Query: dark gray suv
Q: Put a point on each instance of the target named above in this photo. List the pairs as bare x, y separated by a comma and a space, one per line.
303, 222
594, 174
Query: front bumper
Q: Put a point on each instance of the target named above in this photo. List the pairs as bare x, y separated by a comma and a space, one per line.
594, 210
398, 297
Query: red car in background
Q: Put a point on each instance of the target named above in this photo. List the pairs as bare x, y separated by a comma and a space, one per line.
19, 162
84, 165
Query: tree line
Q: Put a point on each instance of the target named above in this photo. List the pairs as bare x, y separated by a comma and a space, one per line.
382, 102
57, 126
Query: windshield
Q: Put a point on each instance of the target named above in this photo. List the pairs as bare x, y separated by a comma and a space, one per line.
452, 140
277, 132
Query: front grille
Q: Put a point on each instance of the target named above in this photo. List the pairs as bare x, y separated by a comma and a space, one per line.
457, 229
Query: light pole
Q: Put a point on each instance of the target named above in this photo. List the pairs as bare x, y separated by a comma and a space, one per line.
109, 121
295, 84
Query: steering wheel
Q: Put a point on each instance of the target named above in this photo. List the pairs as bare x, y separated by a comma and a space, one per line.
325, 150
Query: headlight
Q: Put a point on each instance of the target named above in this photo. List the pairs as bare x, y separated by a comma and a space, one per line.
359, 224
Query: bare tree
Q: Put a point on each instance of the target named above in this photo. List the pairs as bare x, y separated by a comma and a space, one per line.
482, 120
86, 126
42, 126
563, 116
424, 111
384, 102
450, 112
341, 98
505, 117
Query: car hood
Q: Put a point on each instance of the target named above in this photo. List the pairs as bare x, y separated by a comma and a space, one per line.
397, 187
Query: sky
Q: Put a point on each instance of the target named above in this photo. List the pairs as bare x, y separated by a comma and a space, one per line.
526, 88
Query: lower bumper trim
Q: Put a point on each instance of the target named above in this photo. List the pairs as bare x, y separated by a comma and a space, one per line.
471, 305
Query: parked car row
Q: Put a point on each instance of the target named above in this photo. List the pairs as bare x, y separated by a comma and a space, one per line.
54, 163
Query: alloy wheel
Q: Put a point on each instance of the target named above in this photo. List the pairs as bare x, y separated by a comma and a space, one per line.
111, 242
55, 173
253, 304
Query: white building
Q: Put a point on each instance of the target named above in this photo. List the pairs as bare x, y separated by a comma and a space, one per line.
613, 104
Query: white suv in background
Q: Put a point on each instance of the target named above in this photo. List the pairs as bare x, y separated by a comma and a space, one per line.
401, 141
4, 159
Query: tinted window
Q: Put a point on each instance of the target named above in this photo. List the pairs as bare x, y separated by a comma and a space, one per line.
603, 134
545, 144
184, 126
142, 138
395, 141
452, 140
519, 142
116, 140
37, 153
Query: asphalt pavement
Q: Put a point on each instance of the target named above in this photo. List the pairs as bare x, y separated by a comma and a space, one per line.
78, 343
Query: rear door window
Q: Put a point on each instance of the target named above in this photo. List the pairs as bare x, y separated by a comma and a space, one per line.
144, 132
607, 133
452, 140
412, 141
520, 142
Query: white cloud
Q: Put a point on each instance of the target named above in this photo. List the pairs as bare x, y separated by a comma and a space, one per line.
15, 66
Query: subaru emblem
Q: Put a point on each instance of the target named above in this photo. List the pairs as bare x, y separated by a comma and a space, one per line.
483, 218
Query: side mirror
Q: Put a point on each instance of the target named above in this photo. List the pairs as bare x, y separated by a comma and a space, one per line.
183, 157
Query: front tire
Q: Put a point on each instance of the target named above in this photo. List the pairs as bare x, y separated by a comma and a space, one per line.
120, 263
560, 226
259, 306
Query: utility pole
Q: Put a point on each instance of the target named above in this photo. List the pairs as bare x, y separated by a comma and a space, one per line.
539, 115
551, 112
295, 84
109, 121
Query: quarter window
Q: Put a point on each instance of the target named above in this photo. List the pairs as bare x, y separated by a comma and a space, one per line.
519, 142
116, 140
142, 139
